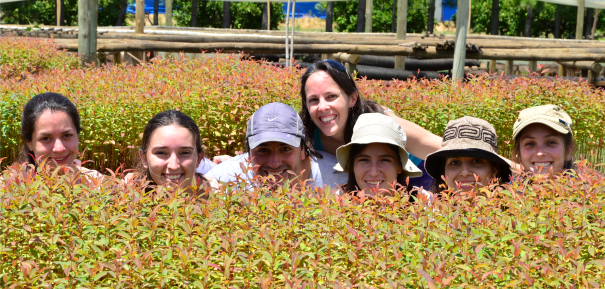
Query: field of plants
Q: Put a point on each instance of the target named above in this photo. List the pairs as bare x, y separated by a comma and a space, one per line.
60, 230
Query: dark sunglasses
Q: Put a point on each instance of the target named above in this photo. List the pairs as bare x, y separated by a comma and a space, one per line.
337, 65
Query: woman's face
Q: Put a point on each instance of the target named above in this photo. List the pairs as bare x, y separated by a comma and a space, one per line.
328, 105
171, 156
376, 168
541, 149
468, 173
55, 139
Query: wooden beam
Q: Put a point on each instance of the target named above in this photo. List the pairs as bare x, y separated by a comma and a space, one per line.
87, 30
460, 48
580, 20
588, 65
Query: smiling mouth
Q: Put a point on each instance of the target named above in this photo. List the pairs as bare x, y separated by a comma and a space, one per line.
374, 184
542, 164
327, 119
272, 172
173, 177
60, 160
467, 184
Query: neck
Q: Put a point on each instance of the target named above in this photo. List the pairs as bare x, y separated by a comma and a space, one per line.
331, 143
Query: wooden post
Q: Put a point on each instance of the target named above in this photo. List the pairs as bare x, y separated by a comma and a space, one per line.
169, 12
59, 12
594, 24
580, 21
287, 23
87, 30
492, 66
460, 48
156, 12
470, 5
562, 70
139, 20
592, 77
402, 22
226, 14
508, 67
533, 66
292, 33
268, 14
369, 11
329, 16
402, 19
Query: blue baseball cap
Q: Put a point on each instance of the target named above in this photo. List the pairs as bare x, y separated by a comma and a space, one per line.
275, 122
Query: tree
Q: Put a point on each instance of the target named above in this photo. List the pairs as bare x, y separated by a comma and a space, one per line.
345, 13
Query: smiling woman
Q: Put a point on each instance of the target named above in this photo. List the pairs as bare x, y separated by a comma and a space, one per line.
50, 129
544, 140
171, 150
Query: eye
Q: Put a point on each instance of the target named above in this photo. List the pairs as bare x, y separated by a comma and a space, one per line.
529, 144
386, 160
186, 153
286, 149
362, 160
454, 163
332, 96
67, 135
159, 153
478, 161
45, 138
312, 100
263, 150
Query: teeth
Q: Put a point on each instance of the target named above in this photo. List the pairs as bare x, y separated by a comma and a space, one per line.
467, 184
541, 164
173, 177
327, 119
373, 182
274, 172
60, 160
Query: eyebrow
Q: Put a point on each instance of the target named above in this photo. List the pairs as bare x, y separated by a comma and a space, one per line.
63, 132
380, 156
165, 147
548, 135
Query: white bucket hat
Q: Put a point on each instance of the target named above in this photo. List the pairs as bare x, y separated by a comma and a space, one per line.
377, 128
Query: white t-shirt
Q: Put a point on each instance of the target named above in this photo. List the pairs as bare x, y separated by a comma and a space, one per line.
322, 171
205, 166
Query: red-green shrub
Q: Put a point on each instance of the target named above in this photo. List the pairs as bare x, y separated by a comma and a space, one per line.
58, 233
23, 56
222, 92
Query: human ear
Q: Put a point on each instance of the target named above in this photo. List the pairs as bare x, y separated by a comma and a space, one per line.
29, 146
353, 99
200, 157
302, 153
143, 158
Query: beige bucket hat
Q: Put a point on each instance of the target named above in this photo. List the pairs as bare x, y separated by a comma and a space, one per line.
467, 137
377, 128
549, 115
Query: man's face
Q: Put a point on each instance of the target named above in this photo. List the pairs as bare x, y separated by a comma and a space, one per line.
277, 158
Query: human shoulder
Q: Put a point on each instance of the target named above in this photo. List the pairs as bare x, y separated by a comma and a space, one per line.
228, 171
325, 170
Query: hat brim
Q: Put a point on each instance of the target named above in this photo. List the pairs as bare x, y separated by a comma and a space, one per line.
256, 140
343, 152
435, 162
554, 125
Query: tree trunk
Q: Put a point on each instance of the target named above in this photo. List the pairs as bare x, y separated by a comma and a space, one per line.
156, 12
226, 14
528, 21
19, 13
264, 23
594, 24
588, 22
394, 17
558, 22
122, 14
329, 16
194, 4
361, 16
430, 24
495, 17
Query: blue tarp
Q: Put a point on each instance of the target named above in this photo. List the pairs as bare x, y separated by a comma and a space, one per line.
447, 11
148, 7
307, 9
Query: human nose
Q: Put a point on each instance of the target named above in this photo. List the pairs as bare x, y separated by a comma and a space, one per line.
465, 170
374, 170
173, 162
58, 147
323, 104
274, 161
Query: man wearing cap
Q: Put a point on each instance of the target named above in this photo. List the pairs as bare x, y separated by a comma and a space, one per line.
275, 146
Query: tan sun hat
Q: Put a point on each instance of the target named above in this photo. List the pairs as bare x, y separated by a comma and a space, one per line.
377, 128
467, 137
549, 115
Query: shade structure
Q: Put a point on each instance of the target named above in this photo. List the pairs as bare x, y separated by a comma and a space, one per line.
7, 1
274, 1
587, 3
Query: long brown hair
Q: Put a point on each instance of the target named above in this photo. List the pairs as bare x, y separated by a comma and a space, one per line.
347, 84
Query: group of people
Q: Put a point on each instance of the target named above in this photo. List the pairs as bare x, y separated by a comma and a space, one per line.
338, 139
